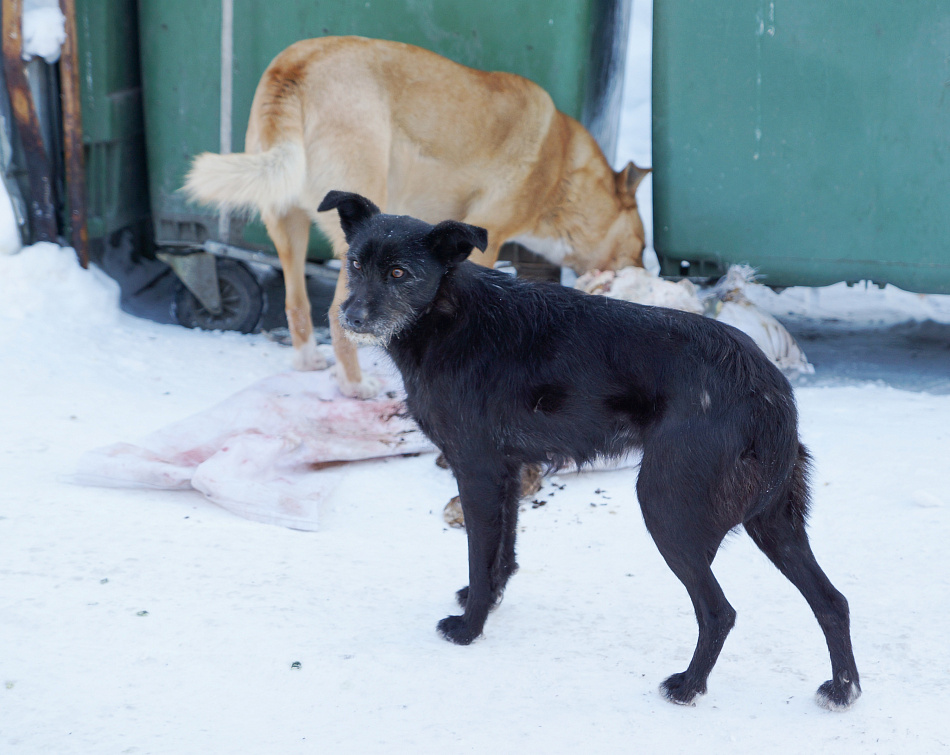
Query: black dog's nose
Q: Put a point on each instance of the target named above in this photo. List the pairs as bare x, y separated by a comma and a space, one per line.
356, 316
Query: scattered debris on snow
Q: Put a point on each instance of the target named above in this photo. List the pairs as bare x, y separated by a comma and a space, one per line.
726, 302
639, 285
733, 307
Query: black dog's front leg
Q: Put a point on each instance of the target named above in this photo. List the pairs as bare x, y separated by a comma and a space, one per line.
490, 506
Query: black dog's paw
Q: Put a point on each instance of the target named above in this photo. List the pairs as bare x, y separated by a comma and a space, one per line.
680, 690
837, 696
456, 629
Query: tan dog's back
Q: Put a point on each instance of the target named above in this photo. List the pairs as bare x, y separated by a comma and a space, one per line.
448, 139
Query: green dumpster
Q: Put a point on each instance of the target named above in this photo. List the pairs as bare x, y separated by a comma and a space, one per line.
810, 139
113, 131
573, 48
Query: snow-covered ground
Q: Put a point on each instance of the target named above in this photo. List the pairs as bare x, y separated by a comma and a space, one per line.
155, 622
143, 621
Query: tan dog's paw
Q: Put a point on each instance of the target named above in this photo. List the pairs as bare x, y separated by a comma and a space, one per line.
452, 513
368, 387
309, 358
531, 477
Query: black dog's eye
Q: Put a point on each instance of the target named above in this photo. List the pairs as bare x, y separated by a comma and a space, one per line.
356, 265
397, 272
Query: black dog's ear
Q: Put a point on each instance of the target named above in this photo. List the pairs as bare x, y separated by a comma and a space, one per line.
354, 210
452, 241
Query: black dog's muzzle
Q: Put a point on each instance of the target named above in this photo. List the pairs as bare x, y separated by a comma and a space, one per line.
355, 316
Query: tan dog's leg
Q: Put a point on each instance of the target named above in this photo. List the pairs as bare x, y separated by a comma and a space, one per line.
349, 376
290, 234
531, 475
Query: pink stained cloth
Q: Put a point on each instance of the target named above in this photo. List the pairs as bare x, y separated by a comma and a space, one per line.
272, 453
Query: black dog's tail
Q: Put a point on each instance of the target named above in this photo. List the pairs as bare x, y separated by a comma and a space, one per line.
783, 488
770, 478
797, 498
769, 474
777, 464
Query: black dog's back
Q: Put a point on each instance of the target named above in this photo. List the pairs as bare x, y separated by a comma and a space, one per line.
500, 373
577, 377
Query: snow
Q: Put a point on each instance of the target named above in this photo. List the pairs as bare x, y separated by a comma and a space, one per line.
44, 30
146, 621
154, 621
9, 234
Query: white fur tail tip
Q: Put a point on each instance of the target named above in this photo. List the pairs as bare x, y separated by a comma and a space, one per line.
269, 181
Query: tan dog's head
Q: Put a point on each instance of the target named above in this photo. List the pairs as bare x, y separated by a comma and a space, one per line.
620, 238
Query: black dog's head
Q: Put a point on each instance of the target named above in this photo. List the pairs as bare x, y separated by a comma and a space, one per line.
394, 265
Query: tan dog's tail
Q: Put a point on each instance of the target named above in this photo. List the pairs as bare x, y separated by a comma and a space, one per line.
268, 181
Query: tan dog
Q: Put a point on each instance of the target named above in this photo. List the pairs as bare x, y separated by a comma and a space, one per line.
423, 136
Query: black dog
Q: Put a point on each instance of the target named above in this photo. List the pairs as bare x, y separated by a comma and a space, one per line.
501, 373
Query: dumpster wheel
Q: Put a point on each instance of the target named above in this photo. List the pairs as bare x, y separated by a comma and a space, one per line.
242, 301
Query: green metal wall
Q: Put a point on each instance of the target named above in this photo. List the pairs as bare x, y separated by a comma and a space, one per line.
564, 45
113, 131
808, 138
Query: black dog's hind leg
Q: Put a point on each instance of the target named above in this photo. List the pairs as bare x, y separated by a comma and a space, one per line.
781, 536
687, 534
490, 506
